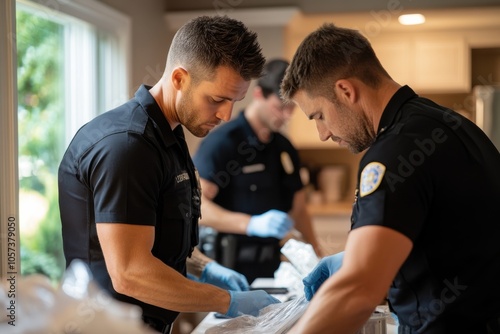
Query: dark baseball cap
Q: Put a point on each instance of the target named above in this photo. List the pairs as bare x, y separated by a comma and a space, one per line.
273, 74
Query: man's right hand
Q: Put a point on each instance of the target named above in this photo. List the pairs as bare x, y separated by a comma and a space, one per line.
249, 302
273, 223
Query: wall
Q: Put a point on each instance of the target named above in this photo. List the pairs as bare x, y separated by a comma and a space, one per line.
150, 39
486, 66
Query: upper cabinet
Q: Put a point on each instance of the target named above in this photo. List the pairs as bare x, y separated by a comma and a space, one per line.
429, 63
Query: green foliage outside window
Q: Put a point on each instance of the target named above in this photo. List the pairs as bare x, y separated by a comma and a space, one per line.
41, 141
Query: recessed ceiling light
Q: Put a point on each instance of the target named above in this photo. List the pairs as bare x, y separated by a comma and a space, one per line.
411, 19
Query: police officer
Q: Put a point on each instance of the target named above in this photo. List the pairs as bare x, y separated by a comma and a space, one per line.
425, 225
128, 190
252, 191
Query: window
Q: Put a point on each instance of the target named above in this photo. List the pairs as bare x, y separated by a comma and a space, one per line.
71, 65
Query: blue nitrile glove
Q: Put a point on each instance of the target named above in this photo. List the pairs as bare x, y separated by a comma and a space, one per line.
223, 277
323, 270
273, 223
249, 302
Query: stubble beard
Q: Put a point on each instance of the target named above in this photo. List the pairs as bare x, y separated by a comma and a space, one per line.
188, 116
359, 129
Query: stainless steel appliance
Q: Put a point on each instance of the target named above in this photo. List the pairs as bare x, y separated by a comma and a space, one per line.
487, 101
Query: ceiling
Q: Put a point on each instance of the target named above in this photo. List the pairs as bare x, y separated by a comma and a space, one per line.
319, 6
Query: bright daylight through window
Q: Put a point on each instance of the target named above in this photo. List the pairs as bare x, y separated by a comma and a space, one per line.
65, 77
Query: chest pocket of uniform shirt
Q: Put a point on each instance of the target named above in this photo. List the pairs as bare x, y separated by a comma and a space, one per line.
174, 242
253, 193
253, 182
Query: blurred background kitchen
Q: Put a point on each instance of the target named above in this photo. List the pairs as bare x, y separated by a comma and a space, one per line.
78, 58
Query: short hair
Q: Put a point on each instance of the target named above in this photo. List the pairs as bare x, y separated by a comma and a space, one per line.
270, 81
328, 54
207, 42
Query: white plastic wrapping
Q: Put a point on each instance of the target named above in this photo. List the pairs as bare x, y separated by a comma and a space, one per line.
279, 318
302, 259
77, 306
300, 255
275, 318
287, 276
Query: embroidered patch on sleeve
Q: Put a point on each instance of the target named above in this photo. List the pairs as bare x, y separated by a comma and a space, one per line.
371, 177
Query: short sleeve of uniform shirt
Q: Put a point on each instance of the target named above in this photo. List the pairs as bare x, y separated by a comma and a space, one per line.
124, 179
116, 160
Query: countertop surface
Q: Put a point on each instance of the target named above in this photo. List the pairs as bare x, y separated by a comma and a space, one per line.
210, 320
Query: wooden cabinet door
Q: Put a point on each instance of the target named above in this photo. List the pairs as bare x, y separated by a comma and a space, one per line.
442, 64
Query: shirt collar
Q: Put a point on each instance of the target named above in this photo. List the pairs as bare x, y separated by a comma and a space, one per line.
402, 95
148, 103
250, 134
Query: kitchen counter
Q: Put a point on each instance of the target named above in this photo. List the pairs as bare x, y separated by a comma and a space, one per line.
210, 320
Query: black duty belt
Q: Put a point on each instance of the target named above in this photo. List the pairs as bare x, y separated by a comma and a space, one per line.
157, 325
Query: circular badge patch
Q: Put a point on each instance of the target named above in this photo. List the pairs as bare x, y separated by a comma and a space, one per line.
371, 177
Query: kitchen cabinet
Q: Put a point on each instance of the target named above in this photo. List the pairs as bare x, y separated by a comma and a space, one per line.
331, 231
314, 159
427, 62
395, 54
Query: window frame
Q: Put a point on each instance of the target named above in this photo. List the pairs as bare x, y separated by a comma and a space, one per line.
106, 20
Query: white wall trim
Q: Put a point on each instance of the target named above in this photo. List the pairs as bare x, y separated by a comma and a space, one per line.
90, 11
9, 181
252, 17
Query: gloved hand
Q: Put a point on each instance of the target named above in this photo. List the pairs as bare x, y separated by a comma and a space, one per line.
223, 277
273, 223
249, 302
323, 270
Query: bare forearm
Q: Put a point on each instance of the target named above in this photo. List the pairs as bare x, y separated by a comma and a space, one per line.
335, 308
154, 283
373, 255
197, 262
223, 220
303, 221
303, 224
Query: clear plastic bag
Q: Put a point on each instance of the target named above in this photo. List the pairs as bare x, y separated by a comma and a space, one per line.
275, 318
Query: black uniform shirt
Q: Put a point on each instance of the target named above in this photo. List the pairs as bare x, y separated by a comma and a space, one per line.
128, 166
253, 177
434, 176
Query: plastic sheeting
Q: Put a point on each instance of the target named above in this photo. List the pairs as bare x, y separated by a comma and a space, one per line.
276, 318
76, 306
